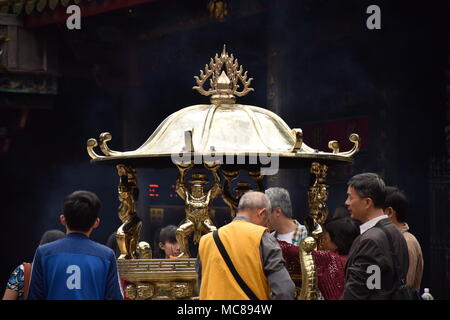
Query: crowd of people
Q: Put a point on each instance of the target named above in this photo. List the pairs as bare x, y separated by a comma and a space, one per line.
365, 251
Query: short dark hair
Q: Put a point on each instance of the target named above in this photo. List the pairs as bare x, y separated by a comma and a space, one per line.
81, 209
168, 233
50, 236
369, 185
397, 199
343, 231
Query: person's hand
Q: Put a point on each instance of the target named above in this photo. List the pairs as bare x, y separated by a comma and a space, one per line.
255, 175
230, 175
213, 166
183, 166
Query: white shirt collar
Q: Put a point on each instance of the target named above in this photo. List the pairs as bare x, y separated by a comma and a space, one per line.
371, 223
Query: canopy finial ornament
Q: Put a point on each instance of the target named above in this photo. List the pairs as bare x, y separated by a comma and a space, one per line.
90, 145
224, 74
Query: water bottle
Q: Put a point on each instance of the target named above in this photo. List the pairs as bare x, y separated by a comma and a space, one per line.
427, 295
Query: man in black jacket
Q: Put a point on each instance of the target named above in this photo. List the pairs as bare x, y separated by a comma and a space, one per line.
372, 269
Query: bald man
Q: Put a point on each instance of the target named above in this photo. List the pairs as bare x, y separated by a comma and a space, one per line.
254, 252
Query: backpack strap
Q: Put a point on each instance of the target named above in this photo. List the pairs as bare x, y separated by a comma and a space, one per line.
400, 276
233, 270
26, 279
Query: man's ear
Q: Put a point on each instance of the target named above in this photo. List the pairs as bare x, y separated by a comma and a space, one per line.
161, 246
277, 212
390, 212
368, 202
96, 223
263, 212
62, 219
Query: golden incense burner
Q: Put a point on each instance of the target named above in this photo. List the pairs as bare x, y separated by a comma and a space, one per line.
224, 138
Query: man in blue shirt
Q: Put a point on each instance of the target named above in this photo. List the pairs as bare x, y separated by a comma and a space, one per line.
75, 267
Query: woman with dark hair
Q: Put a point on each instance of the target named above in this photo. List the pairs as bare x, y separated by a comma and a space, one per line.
336, 241
168, 246
18, 283
112, 244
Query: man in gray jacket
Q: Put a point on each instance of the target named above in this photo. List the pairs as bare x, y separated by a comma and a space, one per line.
215, 280
372, 270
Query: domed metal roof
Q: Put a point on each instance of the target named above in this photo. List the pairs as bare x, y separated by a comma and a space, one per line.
222, 128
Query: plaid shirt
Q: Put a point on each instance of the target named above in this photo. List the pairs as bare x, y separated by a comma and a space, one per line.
16, 281
299, 233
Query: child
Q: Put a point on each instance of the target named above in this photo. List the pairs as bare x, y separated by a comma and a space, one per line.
168, 245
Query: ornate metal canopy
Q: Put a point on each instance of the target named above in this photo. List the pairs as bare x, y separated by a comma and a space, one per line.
222, 128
